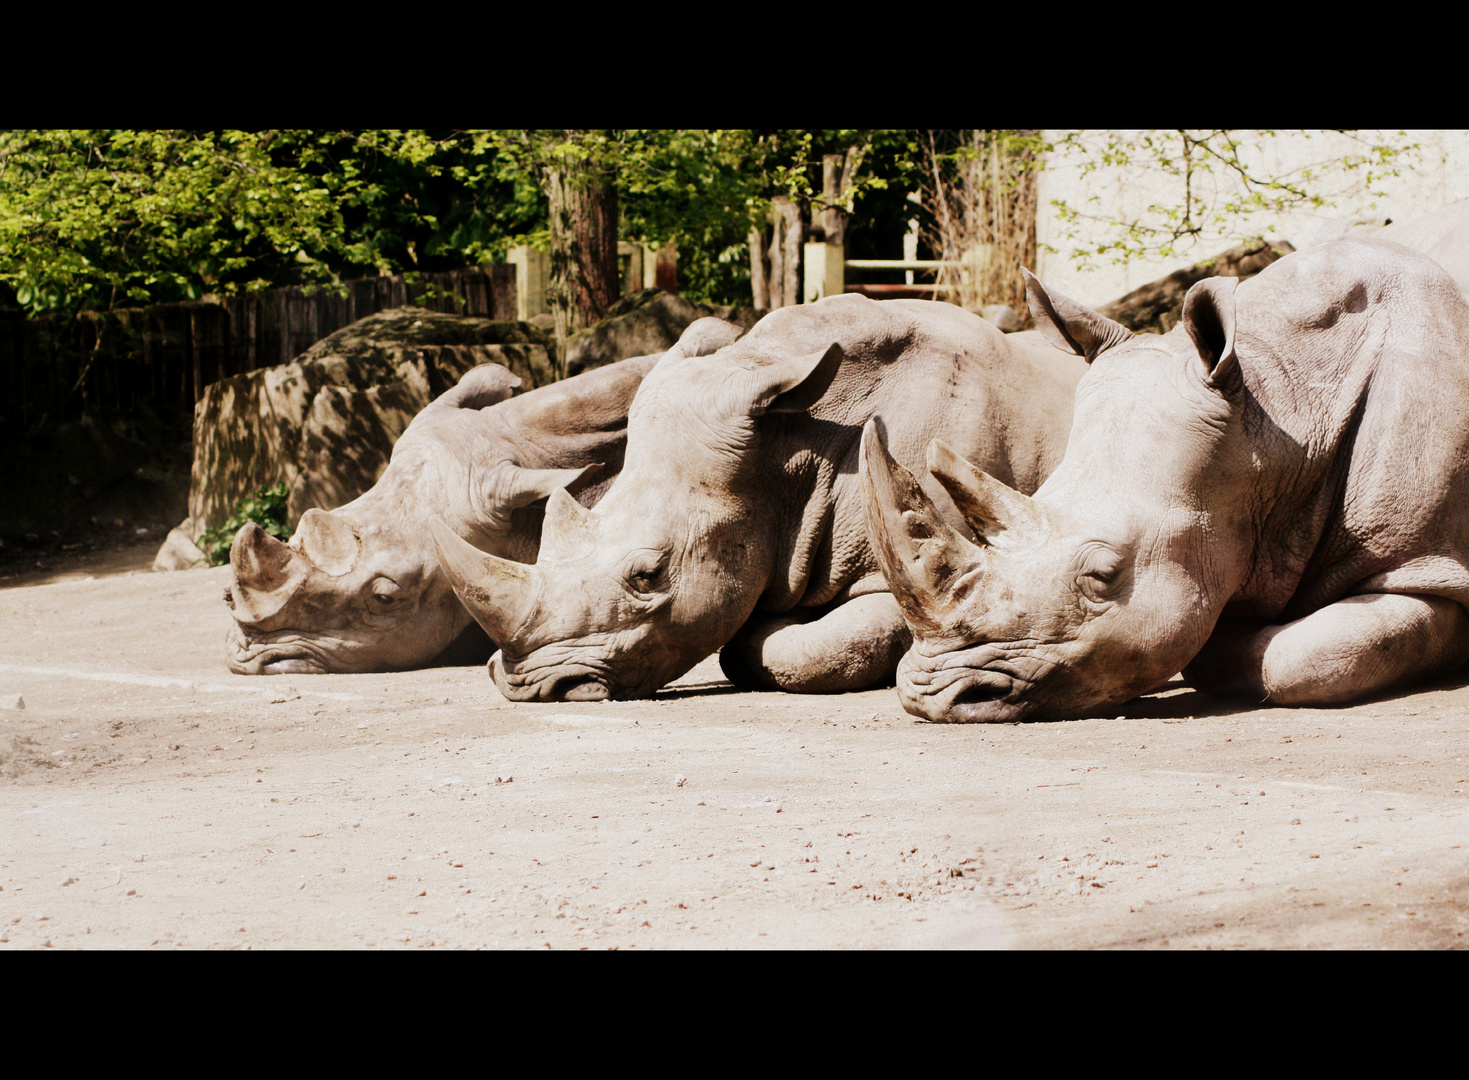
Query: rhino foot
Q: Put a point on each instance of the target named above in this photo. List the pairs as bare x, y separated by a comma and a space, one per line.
1360, 646
855, 646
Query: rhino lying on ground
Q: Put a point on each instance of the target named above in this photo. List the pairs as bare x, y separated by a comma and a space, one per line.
1442, 235
737, 519
359, 588
1269, 497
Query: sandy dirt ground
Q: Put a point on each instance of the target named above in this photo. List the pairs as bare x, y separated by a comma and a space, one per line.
151, 799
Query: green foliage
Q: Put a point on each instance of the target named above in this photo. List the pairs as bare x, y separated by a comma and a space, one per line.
266, 507
1213, 181
103, 219
106, 218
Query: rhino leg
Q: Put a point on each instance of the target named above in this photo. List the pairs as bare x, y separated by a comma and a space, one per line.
1357, 647
855, 646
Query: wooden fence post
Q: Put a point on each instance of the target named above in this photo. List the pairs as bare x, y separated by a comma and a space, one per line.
824, 271
532, 281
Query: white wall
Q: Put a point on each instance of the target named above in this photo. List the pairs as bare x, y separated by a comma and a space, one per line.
1436, 175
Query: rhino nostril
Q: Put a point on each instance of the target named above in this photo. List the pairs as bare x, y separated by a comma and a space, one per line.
580, 688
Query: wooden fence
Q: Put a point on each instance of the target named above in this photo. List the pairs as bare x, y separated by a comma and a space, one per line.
159, 359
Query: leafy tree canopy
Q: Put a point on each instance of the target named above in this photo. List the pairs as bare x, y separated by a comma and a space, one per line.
110, 218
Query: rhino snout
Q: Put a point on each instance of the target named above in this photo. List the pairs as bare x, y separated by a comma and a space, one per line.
565, 683
957, 694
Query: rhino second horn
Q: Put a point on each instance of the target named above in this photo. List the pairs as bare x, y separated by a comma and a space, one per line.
328, 541
266, 573
996, 512
921, 557
566, 532
497, 592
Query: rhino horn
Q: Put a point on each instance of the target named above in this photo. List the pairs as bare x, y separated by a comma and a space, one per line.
497, 592
921, 557
566, 532
997, 513
266, 574
1068, 325
329, 541
705, 336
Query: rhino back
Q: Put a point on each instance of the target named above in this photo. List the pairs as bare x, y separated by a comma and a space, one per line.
925, 370
574, 421
1442, 235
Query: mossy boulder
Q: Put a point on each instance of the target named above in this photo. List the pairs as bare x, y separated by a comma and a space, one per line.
326, 422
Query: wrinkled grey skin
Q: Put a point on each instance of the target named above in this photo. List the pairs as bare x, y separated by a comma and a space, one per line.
1269, 497
360, 589
737, 519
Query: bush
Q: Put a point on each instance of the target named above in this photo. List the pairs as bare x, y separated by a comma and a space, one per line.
267, 508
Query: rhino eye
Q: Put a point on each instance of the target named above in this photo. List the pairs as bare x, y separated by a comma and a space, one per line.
646, 581
1094, 585
1099, 573
647, 575
384, 594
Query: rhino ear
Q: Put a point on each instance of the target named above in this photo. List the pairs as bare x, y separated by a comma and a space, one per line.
795, 384
508, 487
1208, 316
706, 336
480, 387
1069, 325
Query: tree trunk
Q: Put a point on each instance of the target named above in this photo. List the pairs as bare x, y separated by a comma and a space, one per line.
791, 240
759, 292
838, 177
584, 281
775, 280
775, 266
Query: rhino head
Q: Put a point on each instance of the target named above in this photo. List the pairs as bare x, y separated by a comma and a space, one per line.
360, 588
629, 595
1104, 583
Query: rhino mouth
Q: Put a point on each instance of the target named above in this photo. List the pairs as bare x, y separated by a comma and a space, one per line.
520, 680
974, 686
574, 673
276, 656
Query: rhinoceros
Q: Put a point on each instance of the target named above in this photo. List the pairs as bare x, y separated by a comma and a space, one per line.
1270, 497
359, 588
737, 519
1442, 235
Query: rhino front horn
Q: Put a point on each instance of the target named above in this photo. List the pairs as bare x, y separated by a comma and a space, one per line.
497, 592
920, 555
266, 574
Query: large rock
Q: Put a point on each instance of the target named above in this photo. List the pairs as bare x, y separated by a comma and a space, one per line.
643, 323
326, 423
1157, 306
